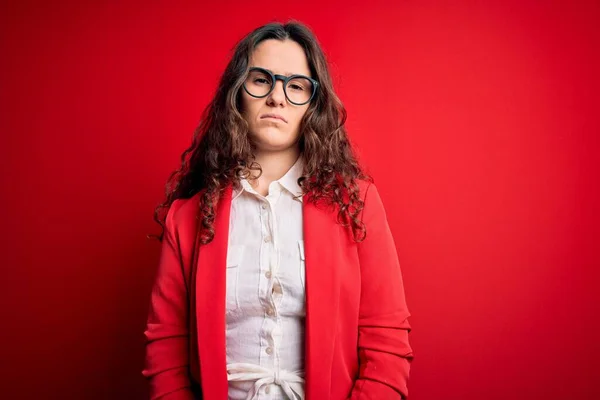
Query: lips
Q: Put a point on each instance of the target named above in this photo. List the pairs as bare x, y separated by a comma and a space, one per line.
279, 117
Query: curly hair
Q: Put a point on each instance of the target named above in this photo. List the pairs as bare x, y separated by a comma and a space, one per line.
221, 152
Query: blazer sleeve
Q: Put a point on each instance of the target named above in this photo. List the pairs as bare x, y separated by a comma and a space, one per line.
383, 347
166, 334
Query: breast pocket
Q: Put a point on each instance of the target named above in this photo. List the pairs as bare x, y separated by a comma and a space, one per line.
235, 254
302, 263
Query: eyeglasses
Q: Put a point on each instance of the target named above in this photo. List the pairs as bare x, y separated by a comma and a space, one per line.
298, 89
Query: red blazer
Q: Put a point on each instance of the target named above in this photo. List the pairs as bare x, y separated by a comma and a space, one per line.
356, 316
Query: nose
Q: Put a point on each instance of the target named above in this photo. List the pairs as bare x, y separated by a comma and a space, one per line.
277, 96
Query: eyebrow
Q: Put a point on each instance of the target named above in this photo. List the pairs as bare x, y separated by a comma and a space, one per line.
286, 73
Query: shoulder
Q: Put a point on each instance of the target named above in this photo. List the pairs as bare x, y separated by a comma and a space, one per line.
182, 212
373, 205
367, 189
363, 185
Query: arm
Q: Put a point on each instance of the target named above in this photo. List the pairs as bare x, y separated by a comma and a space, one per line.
383, 349
167, 357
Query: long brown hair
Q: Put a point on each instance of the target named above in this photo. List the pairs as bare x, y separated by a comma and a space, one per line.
221, 152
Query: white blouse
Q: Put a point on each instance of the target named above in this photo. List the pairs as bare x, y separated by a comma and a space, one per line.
265, 306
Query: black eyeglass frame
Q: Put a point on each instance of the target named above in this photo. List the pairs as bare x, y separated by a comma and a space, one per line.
285, 80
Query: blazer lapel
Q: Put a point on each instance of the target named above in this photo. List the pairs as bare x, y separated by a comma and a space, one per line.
210, 304
321, 241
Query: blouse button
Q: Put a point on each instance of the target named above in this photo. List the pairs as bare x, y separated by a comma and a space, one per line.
269, 350
270, 312
267, 239
264, 206
268, 274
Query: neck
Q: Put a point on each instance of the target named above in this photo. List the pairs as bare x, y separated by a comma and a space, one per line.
275, 164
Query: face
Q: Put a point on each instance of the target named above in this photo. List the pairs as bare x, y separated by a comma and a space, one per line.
272, 134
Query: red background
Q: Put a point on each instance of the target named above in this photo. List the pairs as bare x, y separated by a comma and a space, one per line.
478, 120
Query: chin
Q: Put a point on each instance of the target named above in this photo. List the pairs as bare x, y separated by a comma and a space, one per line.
272, 138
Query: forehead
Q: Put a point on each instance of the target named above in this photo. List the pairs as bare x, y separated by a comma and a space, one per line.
284, 57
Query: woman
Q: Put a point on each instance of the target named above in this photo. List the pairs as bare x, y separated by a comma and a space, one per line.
278, 276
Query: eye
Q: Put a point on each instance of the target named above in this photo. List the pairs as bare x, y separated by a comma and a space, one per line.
299, 84
294, 86
259, 78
